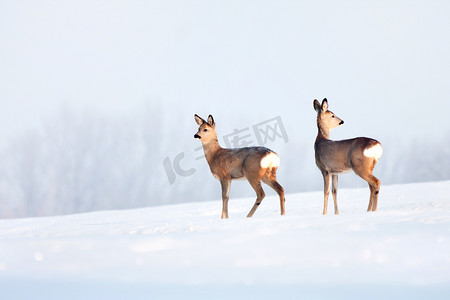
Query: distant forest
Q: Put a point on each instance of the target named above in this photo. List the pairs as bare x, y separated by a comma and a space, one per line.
79, 162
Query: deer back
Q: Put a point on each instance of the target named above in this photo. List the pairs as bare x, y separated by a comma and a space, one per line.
344, 155
238, 163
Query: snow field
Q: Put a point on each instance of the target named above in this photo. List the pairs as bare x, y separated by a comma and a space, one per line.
187, 252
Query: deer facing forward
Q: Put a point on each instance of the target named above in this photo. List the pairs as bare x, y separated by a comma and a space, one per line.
333, 157
255, 164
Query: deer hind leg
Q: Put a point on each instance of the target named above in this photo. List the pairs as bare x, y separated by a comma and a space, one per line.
326, 190
334, 179
374, 191
374, 186
256, 185
375, 197
272, 182
225, 196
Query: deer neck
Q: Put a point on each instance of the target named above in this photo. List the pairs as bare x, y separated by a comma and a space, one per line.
210, 148
323, 131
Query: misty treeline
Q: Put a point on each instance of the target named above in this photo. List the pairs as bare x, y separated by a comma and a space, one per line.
77, 162
81, 161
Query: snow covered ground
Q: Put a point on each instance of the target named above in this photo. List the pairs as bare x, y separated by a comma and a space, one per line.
402, 251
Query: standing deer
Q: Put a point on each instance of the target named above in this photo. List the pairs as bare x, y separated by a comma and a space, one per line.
333, 157
256, 164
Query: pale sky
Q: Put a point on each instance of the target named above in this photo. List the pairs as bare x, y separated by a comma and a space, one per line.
383, 65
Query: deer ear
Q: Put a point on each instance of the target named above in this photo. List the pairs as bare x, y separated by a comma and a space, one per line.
324, 104
211, 121
199, 120
317, 106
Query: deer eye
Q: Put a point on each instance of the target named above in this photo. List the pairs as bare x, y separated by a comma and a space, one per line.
205, 130
332, 116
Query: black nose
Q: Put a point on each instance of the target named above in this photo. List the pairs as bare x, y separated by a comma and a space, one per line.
196, 136
342, 122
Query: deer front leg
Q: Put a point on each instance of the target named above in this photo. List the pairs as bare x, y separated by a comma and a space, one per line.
226, 183
334, 180
256, 185
326, 190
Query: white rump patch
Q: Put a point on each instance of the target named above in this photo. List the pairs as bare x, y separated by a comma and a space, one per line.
271, 160
374, 151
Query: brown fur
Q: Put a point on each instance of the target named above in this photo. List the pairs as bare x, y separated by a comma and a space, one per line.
231, 164
334, 157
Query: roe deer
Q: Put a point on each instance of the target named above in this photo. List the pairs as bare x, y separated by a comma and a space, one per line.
333, 157
256, 164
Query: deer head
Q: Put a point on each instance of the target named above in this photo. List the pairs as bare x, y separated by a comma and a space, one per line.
326, 119
206, 132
